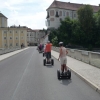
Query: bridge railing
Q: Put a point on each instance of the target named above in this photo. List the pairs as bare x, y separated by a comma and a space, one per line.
92, 58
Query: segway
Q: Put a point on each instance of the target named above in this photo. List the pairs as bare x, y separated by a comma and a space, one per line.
40, 50
64, 75
45, 62
44, 54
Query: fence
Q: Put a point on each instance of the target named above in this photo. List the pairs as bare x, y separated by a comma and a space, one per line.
92, 58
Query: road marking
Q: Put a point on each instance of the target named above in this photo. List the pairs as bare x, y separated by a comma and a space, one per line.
22, 76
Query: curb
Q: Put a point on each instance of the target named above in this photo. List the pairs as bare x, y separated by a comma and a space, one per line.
96, 88
13, 54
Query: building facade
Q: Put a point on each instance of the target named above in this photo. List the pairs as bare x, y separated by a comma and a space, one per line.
34, 36
58, 11
31, 37
13, 37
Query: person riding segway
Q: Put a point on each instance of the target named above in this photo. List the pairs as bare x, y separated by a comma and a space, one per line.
48, 59
65, 72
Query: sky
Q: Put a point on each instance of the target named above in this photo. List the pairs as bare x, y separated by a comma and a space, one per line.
31, 13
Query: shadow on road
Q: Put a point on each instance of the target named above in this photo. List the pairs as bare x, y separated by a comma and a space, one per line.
66, 81
49, 66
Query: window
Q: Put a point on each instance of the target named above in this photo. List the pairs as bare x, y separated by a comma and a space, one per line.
63, 13
10, 31
22, 38
60, 13
16, 44
51, 12
16, 38
68, 14
4, 37
5, 31
5, 44
11, 44
74, 15
21, 31
48, 22
10, 37
56, 14
60, 19
51, 19
16, 31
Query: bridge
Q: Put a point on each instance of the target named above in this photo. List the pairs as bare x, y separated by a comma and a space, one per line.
23, 77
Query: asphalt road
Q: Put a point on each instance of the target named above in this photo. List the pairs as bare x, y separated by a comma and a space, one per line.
23, 77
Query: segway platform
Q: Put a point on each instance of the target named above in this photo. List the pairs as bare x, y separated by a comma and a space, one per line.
51, 62
44, 54
40, 51
64, 75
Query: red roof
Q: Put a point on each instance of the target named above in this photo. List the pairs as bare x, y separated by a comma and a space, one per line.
70, 6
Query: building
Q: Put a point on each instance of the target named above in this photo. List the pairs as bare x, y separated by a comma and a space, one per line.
34, 36
31, 37
58, 11
11, 37
3, 20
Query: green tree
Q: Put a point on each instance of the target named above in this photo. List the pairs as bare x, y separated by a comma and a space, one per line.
65, 31
86, 20
55, 41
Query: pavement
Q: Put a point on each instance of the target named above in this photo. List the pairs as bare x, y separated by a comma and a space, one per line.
24, 77
88, 73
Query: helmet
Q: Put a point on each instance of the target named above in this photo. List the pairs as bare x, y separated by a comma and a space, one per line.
60, 43
48, 41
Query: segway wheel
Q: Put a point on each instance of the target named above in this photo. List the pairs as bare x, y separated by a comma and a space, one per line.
43, 54
58, 74
69, 74
52, 61
44, 62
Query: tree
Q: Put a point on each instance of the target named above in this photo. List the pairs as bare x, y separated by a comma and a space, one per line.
86, 20
55, 41
65, 31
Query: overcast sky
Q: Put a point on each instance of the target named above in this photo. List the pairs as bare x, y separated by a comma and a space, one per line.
31, 13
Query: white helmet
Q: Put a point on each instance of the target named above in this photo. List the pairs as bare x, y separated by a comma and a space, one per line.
60, 43
48, 41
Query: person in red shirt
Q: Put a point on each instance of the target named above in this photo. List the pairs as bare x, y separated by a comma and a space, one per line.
48, 50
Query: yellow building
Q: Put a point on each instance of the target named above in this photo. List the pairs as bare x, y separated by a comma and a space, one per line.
13, 37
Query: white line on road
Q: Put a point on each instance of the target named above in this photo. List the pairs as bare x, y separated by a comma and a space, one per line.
22, 76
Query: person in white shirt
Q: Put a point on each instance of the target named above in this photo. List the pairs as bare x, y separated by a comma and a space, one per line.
62, 56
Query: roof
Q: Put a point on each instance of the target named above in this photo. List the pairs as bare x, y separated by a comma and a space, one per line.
71, 6
37, 30
1, 15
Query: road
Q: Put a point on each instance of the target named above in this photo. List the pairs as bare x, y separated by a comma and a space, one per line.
23, 77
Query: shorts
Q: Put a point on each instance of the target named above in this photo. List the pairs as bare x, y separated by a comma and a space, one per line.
48, 55
63, 60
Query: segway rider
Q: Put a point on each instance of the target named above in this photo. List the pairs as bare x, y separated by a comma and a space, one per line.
62, 56
48, 50
40, 47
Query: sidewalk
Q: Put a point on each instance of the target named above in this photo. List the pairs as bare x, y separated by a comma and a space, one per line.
4, 56
88, 73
